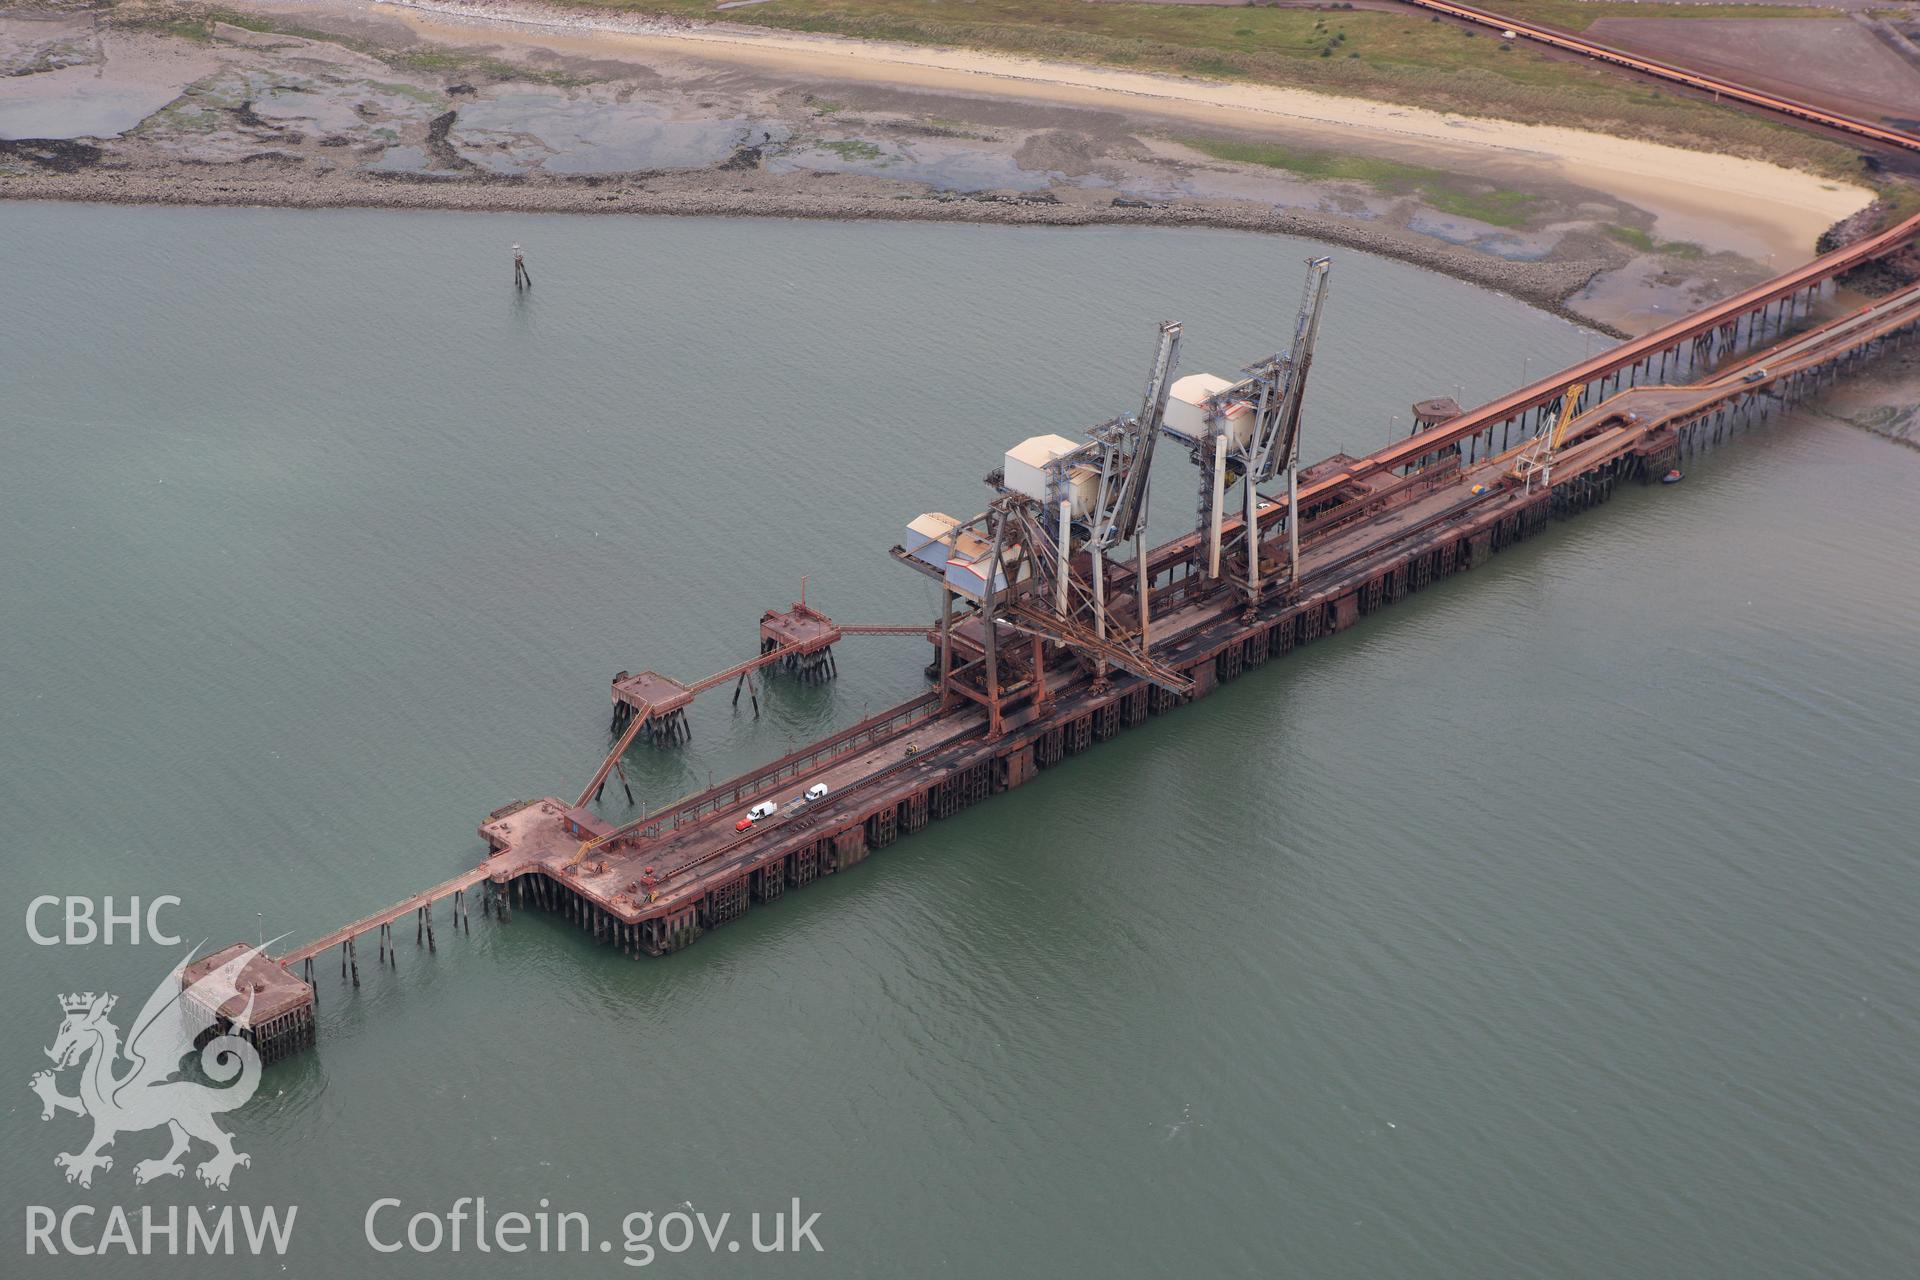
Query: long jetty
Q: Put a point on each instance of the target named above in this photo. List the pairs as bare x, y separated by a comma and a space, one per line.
1371, 529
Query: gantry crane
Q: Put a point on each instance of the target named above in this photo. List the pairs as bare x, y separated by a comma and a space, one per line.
1122, 450
1016, 561
1274, 388
1019, 561
1250, 430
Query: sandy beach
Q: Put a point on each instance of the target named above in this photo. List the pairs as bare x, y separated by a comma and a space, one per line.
1782, 208
511, 105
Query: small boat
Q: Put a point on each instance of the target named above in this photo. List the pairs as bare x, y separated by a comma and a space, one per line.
1672, 477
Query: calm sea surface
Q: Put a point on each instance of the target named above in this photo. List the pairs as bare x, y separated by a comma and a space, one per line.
1560, 922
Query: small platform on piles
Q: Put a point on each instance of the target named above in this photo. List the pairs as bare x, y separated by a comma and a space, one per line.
651, 694
270, 1004
801, 629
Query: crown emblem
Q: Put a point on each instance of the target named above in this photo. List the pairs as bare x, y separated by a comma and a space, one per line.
81, 1002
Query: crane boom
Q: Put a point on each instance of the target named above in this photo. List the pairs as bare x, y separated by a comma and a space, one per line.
1126, 450
1283, 383
1569, 406
1538, 456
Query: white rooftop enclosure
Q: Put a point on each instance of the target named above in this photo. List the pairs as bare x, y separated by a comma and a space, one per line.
1025, 472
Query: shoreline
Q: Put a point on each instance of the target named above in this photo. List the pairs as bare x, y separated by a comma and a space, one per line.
1546, 285
518, 106
1698, 186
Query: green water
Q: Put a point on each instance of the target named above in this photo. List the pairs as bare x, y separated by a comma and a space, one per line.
1558, 922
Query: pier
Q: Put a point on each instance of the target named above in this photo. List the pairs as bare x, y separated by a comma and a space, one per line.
1059, 627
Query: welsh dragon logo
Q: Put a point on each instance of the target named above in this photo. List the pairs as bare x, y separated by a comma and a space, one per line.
152, 1091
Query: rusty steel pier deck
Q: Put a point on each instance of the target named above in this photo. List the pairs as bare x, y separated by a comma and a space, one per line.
1022, 686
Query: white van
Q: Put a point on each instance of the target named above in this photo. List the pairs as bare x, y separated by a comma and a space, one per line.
765, 809
818, 791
